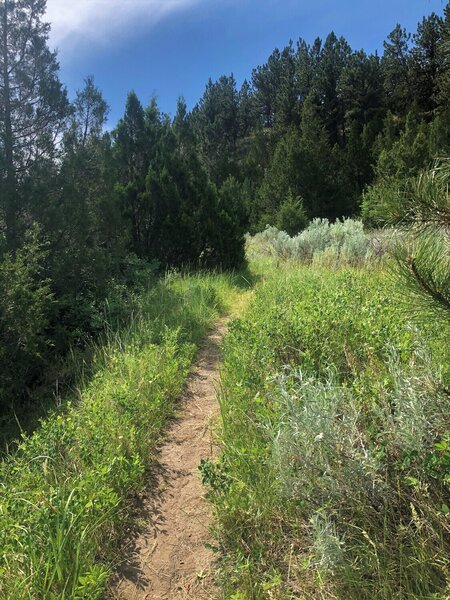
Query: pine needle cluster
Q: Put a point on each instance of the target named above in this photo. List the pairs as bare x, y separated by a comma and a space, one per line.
423, 259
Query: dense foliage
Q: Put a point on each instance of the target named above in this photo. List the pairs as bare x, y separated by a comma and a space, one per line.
83, 212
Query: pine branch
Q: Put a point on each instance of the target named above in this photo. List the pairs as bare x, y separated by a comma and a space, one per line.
432, 292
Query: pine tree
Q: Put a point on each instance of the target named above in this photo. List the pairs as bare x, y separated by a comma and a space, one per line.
334, 59
132, 155
246, 114
427, 63
33, 104
396, 66
409, 154
444, 76
306, 63
424, 260
318, 169
286, 98
216, 120
90, 113
82, 220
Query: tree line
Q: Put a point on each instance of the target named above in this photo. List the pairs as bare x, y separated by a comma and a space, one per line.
317, 131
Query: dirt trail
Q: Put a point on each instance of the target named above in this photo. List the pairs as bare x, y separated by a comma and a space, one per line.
167, 558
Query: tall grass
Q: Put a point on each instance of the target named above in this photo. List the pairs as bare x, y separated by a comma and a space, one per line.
334, 476
63, 491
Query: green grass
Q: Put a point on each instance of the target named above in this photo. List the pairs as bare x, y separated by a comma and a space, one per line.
63, 492
334, 476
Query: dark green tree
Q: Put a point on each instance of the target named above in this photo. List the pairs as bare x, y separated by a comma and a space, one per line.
247, 117
397, 73
217, 121
283, 178
424, 257
321, 188
82, 221
427, 63
334, 59
444, 76
409, 153
25, 305
275, 88
291, 216
131, 150
33, 106
306, 62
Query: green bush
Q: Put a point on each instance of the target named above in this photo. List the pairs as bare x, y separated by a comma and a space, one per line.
25, 304
340, 243
291, 216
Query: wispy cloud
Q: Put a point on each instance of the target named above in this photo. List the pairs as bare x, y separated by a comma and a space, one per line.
99, 21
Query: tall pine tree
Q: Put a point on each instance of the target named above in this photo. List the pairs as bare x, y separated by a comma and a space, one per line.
33, 105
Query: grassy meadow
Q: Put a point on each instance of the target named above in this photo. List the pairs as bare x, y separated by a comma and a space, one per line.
334, 475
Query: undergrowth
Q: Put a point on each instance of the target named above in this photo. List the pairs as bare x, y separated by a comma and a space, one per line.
334, 476
63, 491
324, 244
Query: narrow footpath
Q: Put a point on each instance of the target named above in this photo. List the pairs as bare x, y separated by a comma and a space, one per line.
167, 558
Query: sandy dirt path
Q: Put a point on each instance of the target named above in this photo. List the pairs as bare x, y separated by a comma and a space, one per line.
167, 558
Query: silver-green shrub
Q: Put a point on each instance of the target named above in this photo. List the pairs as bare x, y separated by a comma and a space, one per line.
322, 243
357, 487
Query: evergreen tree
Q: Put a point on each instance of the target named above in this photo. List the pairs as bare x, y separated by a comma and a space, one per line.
306, 62
424, 258
427, 63
361, 88
132, 155
231, 225
246, 113
397, 75
90, 113
282, 178
275, 88
291, 216
304, 165
334, 59
216, 119
33, 105
320, 188
82, 221
286, 98
409, 154
443, 82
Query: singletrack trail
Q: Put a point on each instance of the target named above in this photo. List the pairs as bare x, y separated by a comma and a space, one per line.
167, 558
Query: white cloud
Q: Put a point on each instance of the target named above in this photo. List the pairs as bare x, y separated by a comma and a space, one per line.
75, 21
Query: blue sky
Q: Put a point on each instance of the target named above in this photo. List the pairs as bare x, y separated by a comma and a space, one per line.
170, 48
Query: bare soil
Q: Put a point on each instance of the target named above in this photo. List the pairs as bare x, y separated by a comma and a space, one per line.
166, 555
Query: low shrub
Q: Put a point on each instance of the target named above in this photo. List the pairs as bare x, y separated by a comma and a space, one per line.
342, 242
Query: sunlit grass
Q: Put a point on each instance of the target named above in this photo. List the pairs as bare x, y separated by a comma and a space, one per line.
334, 476
63, 491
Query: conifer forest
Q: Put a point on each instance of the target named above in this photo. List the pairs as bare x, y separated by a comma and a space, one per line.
308, 210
